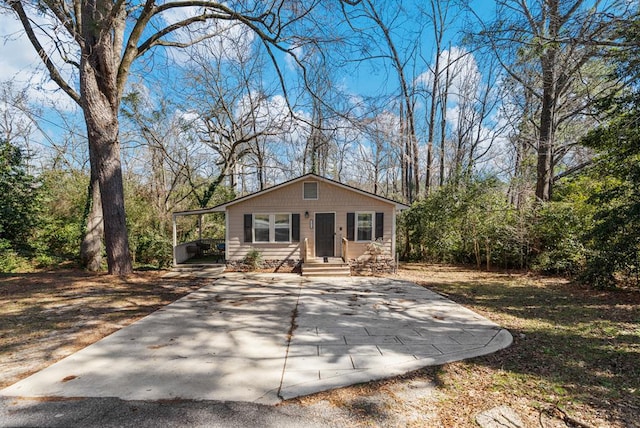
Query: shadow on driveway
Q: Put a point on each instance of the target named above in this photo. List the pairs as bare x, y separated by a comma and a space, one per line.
263, 338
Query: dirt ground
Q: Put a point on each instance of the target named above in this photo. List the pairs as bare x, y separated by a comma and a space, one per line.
46, 316
574, 361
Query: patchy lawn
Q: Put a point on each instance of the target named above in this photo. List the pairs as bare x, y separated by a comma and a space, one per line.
46, 316
575, 357
576, 351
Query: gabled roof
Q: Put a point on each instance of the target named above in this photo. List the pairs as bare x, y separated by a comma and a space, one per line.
223, 207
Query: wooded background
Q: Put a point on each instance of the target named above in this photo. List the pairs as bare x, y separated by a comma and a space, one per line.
512, 130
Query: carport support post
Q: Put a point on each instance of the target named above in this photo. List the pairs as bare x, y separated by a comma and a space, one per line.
175, 239
199, 227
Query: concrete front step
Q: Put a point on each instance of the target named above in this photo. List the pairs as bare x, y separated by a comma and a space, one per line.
334, 267
331, 261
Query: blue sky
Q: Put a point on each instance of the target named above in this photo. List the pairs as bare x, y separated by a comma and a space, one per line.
20, 65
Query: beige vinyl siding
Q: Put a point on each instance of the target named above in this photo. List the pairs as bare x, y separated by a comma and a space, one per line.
289, 199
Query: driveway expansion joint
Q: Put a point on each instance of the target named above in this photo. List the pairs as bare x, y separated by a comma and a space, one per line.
292, 328
265, 338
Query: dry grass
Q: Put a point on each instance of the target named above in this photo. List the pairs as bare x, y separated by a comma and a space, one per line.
48, 315
575, 349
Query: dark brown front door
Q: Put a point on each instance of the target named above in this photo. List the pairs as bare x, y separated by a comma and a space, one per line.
325, 234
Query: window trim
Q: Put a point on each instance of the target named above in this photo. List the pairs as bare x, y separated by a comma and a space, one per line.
289, 226
253, 228
304, 183
272, 228
356, 226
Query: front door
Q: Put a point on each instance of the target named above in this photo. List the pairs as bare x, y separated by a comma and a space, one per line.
325, 234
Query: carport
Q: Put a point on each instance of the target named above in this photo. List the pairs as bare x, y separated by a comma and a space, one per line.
206, 249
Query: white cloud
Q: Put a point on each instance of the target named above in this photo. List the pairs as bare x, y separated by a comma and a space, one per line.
231, 40
290, 59
18, 56
20, 64
464, 74
187, 116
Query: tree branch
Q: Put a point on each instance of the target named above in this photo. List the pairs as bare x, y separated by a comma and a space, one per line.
55, 75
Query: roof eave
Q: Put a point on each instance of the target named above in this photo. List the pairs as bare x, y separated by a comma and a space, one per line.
223, 207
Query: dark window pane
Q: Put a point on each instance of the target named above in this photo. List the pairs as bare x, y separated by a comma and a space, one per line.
262, 235
282, 222
364, 234
365, 226
282, 235
261, 227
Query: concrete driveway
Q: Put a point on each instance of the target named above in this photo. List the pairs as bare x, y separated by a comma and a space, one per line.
265, 338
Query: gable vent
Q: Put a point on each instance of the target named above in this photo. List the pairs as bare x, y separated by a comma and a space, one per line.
310, 190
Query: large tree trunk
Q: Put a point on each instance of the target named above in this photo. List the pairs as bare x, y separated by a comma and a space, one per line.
91, 246
99, 94
103, 137
544, 176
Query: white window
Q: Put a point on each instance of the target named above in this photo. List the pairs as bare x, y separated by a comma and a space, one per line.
310, 190
364, 226
282, 227
261, 228
272, 228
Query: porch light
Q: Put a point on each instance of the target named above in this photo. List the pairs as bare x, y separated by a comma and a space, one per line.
306, 214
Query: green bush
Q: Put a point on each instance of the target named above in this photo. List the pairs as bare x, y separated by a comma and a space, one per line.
20, 200
151, 248
58, 239
253, 259
59, 233
472, 223
10, 260
614, 240
558, 229
614, 253
469, 222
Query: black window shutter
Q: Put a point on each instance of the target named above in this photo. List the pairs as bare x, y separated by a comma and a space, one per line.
248, 226
351, 226
295, 227
379, 225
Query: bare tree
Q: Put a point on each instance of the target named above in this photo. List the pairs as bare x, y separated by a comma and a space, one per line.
557, 39
388, 18
329, 114
238, 112
378, 155
317, 147
157, 150
443, 94
440, 16
478, 98
16, 124
101, 40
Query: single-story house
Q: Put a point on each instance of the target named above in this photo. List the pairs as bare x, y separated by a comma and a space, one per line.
305, 219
